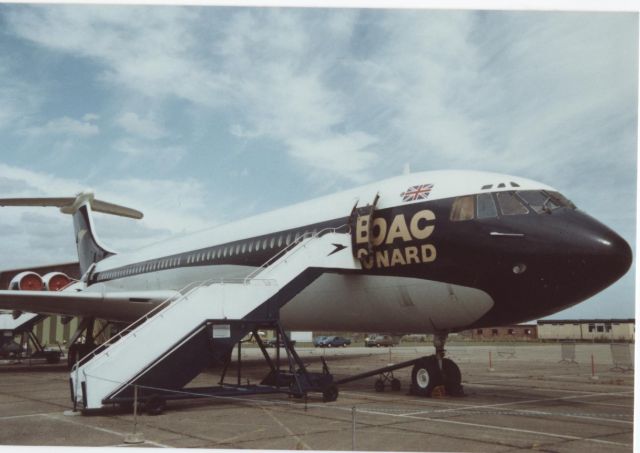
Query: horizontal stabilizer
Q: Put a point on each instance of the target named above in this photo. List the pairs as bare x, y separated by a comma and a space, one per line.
69, 205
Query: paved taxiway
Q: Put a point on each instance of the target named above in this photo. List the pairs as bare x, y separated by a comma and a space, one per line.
529, 401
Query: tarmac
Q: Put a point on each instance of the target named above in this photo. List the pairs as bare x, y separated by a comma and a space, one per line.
525, 398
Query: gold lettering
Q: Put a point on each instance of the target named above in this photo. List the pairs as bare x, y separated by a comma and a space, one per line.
416, 231
362, 229
428, 253
412, 255
378, 231
382, 258
397, 257
365, 258
398, 229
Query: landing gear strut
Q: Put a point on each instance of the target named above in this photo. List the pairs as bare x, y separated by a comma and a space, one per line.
436, 374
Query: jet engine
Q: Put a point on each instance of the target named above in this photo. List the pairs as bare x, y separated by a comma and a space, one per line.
26, 281
55, 281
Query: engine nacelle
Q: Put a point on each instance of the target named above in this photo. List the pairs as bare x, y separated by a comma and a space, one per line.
26, 281
55, 281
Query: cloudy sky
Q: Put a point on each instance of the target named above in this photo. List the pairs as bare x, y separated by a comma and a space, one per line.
203, 115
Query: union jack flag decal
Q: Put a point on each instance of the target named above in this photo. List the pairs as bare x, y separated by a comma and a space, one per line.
414, 193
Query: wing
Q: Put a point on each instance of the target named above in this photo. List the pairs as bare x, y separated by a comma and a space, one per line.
122, 306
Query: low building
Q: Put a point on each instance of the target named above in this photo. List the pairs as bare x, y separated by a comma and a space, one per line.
587, 329
515, 332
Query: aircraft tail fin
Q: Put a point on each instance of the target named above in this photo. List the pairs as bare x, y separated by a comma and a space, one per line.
90, 249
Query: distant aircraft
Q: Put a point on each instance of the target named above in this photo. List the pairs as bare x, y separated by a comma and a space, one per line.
431, 252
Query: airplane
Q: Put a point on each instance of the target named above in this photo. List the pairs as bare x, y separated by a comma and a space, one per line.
435, 253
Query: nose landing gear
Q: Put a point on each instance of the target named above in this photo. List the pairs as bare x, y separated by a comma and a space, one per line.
436, 374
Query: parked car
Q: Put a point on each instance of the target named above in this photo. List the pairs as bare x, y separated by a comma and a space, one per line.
379, 340
334, 342
271, 343
317, 341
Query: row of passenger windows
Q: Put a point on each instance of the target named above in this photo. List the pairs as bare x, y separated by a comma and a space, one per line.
216, 252
486, 205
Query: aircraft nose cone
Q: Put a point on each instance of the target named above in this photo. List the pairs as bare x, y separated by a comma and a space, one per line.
614, 253
601, 255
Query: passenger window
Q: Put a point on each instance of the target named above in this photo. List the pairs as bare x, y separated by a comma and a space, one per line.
244, 247
280, 241
264, 244
237, 249
510, 205
288, 238
273, 242
463, 208
486, 207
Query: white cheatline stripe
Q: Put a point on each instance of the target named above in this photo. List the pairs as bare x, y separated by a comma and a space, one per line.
500, 428
286, 428
104, 430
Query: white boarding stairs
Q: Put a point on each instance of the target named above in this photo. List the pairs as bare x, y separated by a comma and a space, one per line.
168, 332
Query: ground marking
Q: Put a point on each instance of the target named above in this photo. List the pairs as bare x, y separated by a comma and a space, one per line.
542, 400
501, 428
11, 417
286, 428
104, 430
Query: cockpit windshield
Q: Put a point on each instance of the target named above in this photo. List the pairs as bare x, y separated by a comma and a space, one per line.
521, 202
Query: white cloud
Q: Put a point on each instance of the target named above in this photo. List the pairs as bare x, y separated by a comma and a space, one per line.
141, 127
161, 155
262, 61
18, 100
64, 126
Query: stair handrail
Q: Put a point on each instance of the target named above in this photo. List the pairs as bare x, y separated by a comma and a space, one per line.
181, 294
285, 250
184, 292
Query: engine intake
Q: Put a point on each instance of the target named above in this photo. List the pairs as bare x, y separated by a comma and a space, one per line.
55, 281
27, 281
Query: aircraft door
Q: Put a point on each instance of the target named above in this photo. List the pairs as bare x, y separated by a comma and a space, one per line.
361, 223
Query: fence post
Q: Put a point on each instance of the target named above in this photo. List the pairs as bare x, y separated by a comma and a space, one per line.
353, 428
135, 437
490, 362
593, 368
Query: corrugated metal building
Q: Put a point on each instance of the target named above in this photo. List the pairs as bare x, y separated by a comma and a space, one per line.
587, 329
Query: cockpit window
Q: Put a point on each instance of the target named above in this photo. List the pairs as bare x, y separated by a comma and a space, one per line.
537, 200
542, 201
485, 206
510, 205
463, 208
561, 200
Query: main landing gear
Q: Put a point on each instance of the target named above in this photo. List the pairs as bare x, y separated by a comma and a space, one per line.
436, 375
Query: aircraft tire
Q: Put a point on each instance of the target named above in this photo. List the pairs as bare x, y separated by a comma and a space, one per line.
425, 376
452, 378
330, 394
379, 385
395, 384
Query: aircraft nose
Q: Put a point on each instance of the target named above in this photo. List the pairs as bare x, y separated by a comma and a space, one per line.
602, 254
614, 253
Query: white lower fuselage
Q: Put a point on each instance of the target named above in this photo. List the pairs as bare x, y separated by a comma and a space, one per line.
355, 303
